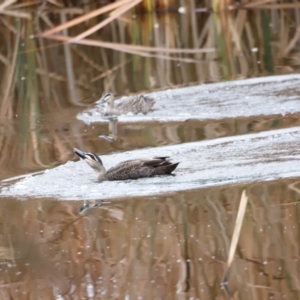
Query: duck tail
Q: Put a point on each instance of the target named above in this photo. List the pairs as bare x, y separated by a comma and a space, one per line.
150, 101
166, 168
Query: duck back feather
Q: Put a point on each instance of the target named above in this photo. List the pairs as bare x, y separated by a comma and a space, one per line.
135, 105
141, 168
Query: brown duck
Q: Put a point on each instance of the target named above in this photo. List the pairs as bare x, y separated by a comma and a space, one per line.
129, 169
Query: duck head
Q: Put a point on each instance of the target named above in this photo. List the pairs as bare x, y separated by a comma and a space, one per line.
106, 98
93, 160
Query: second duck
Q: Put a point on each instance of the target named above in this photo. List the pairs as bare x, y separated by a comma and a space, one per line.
129, 169
136, 104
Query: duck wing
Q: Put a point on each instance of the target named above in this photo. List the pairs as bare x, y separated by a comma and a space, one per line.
161, 165
141, 168
145, 103
136, 104
131, 169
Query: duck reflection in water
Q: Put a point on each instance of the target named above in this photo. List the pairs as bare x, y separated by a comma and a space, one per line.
91, 204
112, 130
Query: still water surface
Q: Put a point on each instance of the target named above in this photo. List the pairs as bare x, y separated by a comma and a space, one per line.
169, 246
164, 247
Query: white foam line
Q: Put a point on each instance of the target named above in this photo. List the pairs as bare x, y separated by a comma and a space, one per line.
271, 96
247, 81
228, 160
21, 176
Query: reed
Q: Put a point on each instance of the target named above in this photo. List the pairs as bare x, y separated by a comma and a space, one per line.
235, 237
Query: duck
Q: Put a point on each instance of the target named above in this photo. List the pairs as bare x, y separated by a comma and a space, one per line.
129, 169
136, 104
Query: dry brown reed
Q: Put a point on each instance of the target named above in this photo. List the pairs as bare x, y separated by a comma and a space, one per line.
234, 241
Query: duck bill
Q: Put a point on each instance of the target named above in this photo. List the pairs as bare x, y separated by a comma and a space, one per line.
100, 101
79, 153
83, 209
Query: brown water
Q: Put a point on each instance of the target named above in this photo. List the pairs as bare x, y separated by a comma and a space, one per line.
163, 247
172, 246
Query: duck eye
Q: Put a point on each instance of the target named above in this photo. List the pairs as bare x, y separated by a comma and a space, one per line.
94, 157
90, 156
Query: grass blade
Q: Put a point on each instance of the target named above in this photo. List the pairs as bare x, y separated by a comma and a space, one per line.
235, 238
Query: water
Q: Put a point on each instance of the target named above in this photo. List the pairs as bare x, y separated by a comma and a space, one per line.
164, 246
157, 238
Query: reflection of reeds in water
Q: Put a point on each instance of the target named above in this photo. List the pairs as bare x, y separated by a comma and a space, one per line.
161, 247
125, 55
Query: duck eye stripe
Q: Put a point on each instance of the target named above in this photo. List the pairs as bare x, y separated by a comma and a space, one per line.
90, 156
